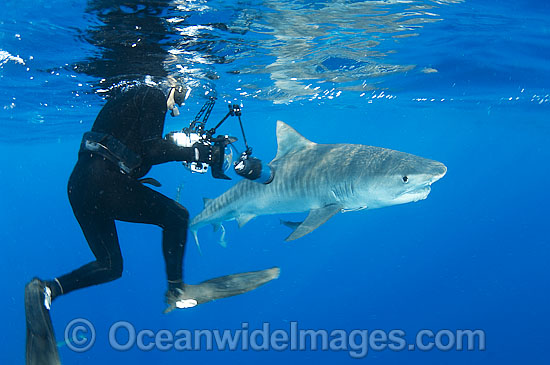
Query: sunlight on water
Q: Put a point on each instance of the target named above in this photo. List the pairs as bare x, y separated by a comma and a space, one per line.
339, 45
63, 66
286, 51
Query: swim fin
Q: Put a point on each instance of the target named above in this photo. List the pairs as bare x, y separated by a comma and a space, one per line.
41, 347
217, 288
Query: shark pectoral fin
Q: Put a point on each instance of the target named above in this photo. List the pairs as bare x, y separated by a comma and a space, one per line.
315, 218
244, 219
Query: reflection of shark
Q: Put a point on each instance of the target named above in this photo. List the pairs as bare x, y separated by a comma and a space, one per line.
324, 179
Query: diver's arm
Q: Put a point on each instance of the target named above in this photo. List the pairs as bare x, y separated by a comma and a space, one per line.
158, 150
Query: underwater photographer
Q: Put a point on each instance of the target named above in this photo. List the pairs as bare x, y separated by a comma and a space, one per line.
107, 184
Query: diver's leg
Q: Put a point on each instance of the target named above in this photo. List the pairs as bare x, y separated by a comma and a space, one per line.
145, 205
41, 347
100, 232
92, 183
174, 238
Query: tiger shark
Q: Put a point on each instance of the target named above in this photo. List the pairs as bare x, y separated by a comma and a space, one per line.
323, 179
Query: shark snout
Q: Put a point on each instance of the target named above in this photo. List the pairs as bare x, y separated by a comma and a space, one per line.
438, 172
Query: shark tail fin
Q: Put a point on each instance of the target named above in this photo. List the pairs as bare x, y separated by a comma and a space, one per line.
194, 231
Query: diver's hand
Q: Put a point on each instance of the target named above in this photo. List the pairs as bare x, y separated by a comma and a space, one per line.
253, 169
203, 152
208, 154
216, 156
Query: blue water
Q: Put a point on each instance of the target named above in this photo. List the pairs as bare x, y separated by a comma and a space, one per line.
462, 82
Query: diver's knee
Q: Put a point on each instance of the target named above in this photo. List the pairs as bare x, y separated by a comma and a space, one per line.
113, 268
117, 271
179, 217
183, 213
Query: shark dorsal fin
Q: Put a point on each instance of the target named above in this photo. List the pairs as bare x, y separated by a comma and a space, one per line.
288, 139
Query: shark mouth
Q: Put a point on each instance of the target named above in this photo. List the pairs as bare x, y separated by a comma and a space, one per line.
414, 195
421, 194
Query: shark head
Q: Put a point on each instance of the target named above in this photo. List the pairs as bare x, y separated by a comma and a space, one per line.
399, 178
362, 176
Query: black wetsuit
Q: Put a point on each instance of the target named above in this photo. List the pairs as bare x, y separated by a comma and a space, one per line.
100, 193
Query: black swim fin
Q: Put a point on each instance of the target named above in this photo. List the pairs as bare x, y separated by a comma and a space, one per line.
222, 287
41, 347
150, 180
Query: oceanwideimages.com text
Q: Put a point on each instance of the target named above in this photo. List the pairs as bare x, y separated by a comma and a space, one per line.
80, 336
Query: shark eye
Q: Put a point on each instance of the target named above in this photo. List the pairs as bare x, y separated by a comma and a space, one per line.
405, 179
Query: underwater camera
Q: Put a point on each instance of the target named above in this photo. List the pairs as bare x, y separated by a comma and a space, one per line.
186, 138
246, 166
252, 168
197, 133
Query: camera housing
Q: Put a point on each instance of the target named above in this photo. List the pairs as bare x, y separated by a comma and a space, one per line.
187, 139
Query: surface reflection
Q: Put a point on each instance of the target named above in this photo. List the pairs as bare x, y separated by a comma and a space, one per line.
276, 50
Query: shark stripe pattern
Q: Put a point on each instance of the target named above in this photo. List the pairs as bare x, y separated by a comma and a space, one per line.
323, 179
